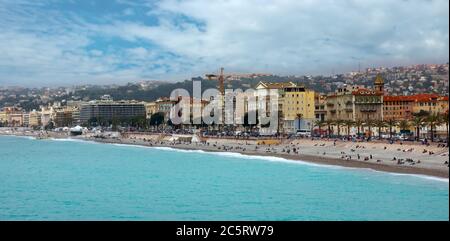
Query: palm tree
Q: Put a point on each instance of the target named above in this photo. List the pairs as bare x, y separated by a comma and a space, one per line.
338, 124
433, 121
445, 120
404, 125
417, 122
359, 124
349, 124
329, 123
320, 124
370, 123
380, 124
391, 123
299, 119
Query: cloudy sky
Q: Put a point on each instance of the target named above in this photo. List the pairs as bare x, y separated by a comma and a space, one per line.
69, 42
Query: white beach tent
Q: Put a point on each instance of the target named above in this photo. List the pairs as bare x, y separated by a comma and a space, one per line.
196, 139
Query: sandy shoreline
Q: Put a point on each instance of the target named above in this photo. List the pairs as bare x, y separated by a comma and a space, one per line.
328, 154
316, 160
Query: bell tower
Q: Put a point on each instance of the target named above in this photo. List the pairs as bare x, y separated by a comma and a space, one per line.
379, 84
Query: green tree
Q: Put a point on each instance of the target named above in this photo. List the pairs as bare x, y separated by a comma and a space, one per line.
433, 121
380, 125
250, 124
422, 113
417, 122
50, 125
320, 124
115, 123
349, 124
338, 124
391, 123
404, 125
445, 120
329, 123
359, 124
370, 123
157, 119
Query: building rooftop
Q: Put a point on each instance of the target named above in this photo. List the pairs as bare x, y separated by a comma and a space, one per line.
270, 85
417, 98
390, 98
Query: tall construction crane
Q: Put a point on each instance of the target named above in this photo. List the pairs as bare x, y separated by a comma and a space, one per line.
221, 86
220, 78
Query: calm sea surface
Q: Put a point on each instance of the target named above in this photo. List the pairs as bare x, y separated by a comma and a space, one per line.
75, 180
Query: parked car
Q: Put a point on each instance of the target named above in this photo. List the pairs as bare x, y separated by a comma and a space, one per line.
303, 133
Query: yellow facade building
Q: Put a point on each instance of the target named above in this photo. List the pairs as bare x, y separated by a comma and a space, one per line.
427, 103
298, 109
35, 119
266, 89
3, 117
150, 109
442, 105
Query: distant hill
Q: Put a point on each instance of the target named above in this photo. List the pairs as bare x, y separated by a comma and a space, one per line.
398, 80
135, 92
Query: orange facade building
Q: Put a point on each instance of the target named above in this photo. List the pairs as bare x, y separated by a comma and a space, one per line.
404, 107
398, 107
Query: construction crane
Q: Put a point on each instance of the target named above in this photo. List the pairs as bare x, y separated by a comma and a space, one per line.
220, 78
221, 86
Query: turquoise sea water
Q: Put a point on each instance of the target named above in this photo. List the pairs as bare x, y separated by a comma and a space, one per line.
75, 180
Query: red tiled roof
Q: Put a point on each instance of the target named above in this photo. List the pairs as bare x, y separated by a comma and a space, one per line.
444, 98
398, 98
416, 98
425, 98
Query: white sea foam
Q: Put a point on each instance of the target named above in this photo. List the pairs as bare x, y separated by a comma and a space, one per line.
66, 140
244, 156
270, 158
440, 179
72, 140
298, 162
178, 150
129, 145
26, 137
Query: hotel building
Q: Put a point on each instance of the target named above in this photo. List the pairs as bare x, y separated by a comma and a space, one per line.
298, 109
398, 107
263, 90
110, 110
356, 103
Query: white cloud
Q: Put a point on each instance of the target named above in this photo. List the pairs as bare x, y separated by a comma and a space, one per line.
184, 38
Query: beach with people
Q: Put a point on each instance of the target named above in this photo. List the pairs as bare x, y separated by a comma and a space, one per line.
397, 157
